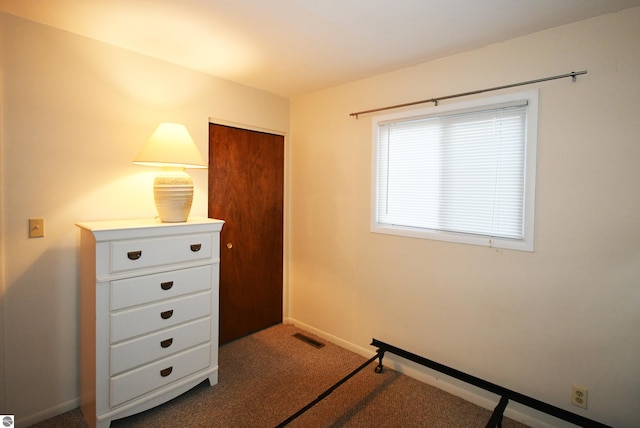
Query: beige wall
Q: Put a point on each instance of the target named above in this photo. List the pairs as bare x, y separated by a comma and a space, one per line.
75, 113
569, 312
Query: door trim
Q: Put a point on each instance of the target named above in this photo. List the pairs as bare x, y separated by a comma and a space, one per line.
223, 122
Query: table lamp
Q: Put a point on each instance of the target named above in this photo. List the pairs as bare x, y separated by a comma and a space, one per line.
171, 148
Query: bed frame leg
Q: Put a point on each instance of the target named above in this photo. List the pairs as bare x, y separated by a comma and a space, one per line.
379, 367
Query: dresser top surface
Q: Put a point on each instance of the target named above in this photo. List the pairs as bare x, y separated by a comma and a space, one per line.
132, 224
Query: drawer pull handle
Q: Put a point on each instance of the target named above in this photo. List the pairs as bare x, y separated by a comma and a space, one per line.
166, 343
166, 285
166, 372
166, 314
134, 255
196, 247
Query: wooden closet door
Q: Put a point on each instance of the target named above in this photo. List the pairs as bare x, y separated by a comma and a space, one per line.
246, 190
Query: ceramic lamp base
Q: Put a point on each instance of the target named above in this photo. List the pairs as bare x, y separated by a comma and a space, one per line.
173, 194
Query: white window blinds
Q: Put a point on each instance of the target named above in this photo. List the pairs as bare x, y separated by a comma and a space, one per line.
462, 172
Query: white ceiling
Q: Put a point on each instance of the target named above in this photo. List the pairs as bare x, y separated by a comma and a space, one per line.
290, 47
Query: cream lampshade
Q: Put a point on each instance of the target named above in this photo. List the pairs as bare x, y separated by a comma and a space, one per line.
171, 148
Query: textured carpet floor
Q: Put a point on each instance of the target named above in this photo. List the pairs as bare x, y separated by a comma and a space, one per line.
266, 377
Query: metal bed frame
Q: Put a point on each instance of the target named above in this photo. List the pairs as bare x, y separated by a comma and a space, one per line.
497, 416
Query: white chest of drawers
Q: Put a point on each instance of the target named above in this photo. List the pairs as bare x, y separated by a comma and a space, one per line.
149, 313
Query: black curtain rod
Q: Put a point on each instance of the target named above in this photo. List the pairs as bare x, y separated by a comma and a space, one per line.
573, 75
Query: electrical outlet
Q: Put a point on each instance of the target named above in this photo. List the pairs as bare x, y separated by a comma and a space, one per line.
579, 396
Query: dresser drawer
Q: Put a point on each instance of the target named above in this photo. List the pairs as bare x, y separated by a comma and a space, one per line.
150, 288
129, 323
137, 382
152, 252
140, 351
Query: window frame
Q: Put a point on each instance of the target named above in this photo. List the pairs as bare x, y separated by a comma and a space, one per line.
530, 151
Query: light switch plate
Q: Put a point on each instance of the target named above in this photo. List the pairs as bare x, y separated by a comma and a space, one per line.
36, 227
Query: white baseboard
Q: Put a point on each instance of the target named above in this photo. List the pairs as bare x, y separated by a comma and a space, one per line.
436, 379
48, 413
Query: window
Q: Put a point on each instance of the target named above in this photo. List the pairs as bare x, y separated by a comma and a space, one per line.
462, 172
